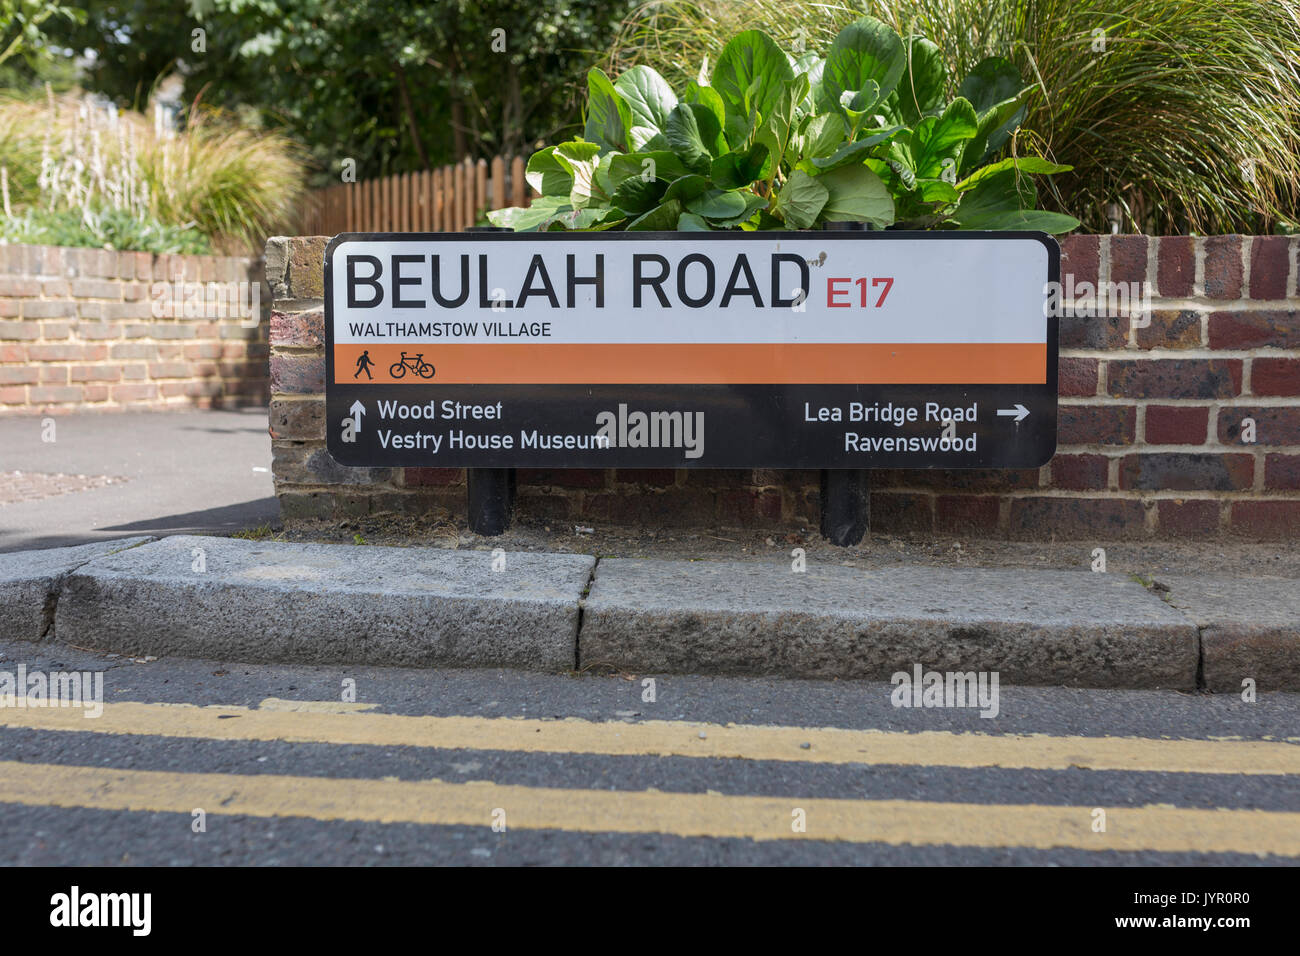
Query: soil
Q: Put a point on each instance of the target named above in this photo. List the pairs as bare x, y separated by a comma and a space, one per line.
1231, 556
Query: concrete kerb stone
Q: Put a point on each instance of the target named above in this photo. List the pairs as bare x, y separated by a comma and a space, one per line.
257, 601
1032, 626
1249, 628
30, 582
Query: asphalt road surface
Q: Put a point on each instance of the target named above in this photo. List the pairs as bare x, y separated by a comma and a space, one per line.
90, 477
202, 762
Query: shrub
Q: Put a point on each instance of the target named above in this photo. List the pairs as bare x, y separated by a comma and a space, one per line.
1185, 116
69, 154
775, 141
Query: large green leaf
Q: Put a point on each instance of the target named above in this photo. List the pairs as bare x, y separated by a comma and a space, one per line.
1025, 164
856, 194
693, 134
865, 50
921, 90
939, 138
994, 80
856, 152
609, 118
801, 199
636, 195
824, 136
1002, 192
717, 204
741, 167
526, 219
579, 161
1025, 220
686, 188
660, 165
689, 222
661, 218
546, 174
753, 203
995, 127
749, 75
650, 99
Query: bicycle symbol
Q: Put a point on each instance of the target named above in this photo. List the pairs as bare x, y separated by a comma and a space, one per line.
417, 365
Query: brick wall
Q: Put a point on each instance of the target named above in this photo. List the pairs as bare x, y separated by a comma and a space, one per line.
78, 331
1151, 418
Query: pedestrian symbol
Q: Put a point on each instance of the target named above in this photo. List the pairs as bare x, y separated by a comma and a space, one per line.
363, 365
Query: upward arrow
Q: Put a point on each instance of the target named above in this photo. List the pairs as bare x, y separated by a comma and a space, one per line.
357, 411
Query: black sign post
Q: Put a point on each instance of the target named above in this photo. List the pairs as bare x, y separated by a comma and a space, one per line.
840, 351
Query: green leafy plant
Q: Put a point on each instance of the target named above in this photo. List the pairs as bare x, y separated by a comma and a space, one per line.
775, 141
103, 229
1177, 117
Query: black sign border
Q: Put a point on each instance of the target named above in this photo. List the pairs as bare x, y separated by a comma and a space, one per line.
1049, 242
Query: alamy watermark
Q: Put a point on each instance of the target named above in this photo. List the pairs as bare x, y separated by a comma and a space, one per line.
207, 300
23, 688
923, 688
1088, 300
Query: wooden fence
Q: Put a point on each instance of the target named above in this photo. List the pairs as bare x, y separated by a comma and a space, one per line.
447, 199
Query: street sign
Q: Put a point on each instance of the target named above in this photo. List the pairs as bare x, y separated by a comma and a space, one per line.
681, 350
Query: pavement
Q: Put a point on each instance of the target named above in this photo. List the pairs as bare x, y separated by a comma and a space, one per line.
267, 601
211, 762
97, 476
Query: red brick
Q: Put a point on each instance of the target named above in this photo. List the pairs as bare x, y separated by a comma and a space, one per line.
960, 479
562, 477
298, 329
20, 375
96, 373
1094, 332
1267, 519
133, 393
1174, 378
1275, 376
1175, 266
54, 374
13, 395
54, 393
1077, 376
94, 393
1080, 257
1096, 424
654, 477
1252, 330
1177, 471
298, 374
745, 507
679, 507
20, 330
1282, 472
1274, 425
966, 514
719, 477
1222, 267
901, 513
1080, 472
13, 353
1128, 258
1177, 425
20, 287
1086, 519
424, 477
1170, 329
1269, 264
1188, 517
169, 370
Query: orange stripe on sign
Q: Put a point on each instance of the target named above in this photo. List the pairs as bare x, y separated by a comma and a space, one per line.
683, 364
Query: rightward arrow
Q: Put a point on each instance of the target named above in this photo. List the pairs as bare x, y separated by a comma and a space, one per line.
358, 410
1019, 412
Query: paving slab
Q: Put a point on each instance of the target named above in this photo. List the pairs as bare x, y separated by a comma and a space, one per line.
1032, 626
30, 583
1250, 628
262, 601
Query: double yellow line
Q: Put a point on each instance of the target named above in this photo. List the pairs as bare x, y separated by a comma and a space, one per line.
1158, 828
